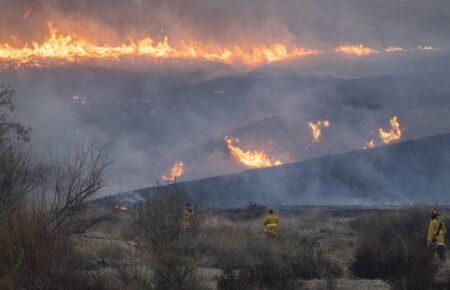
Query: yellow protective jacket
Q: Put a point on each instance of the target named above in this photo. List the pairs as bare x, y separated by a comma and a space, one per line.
188, 219
271, 224
433, 235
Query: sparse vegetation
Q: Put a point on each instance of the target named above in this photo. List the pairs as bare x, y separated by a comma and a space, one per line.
43, 206
54, 238
159, 225
392, 246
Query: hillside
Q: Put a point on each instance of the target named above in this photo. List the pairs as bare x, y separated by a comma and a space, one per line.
402, 173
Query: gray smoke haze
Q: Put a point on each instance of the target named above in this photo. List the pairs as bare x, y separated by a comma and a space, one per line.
313, 23
154, 115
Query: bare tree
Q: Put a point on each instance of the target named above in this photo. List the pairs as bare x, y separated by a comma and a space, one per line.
20, 174
159, 220
76, 179
46, 205
7, 126
159, 224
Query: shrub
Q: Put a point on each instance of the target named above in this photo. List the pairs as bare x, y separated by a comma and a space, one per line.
308, 263
391, 246
254, 210
159, 224
252, 261
43, 206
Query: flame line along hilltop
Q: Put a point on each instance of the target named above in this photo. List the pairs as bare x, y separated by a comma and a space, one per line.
58, 47
73, 48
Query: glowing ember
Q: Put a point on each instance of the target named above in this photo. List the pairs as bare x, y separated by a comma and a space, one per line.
79, 100
27, 13
175, 173
72, 48
315, 128
121, 207
427, 47
394, 134
355, 49
370, 144
253, 159
394, 49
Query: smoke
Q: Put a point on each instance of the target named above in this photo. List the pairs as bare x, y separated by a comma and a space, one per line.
154, 115
321, 23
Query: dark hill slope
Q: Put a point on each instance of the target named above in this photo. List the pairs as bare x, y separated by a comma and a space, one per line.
407, 172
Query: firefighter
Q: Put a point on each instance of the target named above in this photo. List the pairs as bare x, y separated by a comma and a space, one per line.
188, 217
271, 224
436, 234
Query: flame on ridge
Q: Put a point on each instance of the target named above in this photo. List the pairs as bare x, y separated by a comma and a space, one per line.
369, 145
315, 128
72, 48
394, 133
394, 49
252, 159
176, 172
355, 49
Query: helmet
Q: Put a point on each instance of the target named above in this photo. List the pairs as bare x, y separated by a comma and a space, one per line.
434, 213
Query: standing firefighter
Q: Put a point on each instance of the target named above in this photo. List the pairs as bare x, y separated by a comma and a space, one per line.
271, 224
436, 234
188, 217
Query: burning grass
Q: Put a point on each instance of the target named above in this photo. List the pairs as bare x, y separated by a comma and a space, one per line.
251, 159
76, 48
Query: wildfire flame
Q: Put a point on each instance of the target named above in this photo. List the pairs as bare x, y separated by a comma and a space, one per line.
175, 173
394, 49
355, 49
79, 100
121, 207
370, 144
394, 134
315, 128
427, 47
72, 48
253, 159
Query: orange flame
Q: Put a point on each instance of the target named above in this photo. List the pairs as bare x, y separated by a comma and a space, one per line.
369, 145
315, 128
71, 48
394, 134
394, 49
355, 49
175, 173
253, 159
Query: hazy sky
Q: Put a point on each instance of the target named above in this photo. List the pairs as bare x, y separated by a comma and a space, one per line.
312, 22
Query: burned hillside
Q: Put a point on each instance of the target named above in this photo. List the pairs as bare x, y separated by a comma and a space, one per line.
415, 171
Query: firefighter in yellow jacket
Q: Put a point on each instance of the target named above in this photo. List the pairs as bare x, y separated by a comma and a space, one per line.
271, 224
188, 217
436, 235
